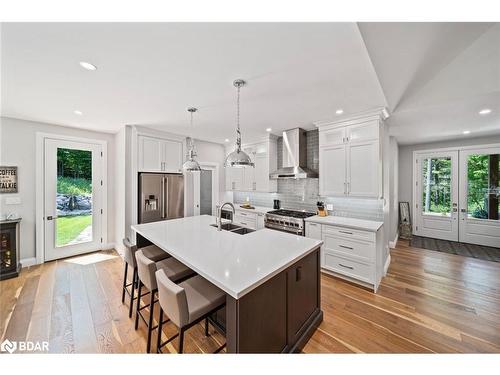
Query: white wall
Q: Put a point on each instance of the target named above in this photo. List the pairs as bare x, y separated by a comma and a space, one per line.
120, 188
17, 148
393, 189
406, 160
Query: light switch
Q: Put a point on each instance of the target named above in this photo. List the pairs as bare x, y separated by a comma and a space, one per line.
329, 207
12, 200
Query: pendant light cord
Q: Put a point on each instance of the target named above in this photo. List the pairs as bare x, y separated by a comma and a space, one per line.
238, 133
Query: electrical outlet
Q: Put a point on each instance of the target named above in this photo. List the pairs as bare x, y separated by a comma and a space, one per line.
329, 207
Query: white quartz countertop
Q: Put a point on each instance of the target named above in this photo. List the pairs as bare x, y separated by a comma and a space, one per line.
256, 210
235, 263
347, 222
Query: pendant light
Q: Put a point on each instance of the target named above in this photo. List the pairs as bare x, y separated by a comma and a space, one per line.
191, 165
238, 158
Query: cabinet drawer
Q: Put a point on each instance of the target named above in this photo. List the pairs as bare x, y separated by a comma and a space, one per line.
249, 222
361, 250
349, 233
356, 270
250, 215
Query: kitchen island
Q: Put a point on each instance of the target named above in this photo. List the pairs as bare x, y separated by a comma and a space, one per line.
271, 279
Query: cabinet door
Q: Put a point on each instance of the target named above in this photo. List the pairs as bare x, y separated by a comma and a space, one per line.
332, 170
234, 178
363, 169
332, 137
150, 154
261, 172
302, 294
313, 230
172, 156
367, 131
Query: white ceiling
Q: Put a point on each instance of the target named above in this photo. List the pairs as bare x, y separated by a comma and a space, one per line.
433, 77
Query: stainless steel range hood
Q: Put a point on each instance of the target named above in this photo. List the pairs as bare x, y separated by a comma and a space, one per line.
294, 156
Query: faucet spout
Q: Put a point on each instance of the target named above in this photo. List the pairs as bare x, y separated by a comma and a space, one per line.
219, 223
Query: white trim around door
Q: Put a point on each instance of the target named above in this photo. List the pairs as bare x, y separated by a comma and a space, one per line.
40, 189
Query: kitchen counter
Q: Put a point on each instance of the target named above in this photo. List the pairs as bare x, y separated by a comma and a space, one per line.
235, 263
271, 279
347, 222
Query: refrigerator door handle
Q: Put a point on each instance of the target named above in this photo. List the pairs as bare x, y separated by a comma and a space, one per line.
167, 197
163, 198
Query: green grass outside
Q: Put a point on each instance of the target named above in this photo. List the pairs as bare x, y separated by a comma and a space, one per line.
69, 227
74, 186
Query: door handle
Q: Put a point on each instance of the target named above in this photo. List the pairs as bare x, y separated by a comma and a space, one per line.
163, 198
51, 217
298, 273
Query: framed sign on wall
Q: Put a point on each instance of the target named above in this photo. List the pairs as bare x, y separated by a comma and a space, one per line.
8, 180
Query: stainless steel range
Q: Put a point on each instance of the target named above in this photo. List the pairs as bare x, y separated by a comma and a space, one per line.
287, 220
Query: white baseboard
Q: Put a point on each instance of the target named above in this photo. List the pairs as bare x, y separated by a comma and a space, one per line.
108, 246
387, 263
27, 262
392, 244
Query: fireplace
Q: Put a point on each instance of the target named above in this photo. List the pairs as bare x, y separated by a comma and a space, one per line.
9, 249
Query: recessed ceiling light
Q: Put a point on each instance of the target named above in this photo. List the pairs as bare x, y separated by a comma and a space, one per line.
339, 111
466, 131
226, 140
268, 129
77, 112
485, 111
87, 65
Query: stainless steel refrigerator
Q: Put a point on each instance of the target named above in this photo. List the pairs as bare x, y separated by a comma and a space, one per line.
161, 197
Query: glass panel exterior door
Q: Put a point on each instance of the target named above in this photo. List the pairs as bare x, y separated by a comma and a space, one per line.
72, 198
436, 198
480, 196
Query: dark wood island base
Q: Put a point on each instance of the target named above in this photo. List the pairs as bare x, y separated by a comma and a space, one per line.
280, 315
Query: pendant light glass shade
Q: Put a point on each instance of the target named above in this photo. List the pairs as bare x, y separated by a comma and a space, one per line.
238, 158
191, 165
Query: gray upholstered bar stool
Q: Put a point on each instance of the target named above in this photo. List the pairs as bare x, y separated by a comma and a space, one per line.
146, 268
151, 252
187, 304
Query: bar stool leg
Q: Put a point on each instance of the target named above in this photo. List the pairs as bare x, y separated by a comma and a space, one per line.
150, 323
139, 291
206, 327
134, 285
124, 282
160, 325
181, 341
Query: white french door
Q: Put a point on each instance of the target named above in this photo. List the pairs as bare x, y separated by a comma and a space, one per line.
480, 196
73, 198
457, 195
436, 195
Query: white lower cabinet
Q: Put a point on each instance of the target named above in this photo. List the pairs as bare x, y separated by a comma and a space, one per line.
352, 254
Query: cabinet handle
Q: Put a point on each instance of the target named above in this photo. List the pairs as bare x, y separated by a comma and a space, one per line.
232, 186
342, 231
348, 187
346, 247
298, 273
243, 223
312, 225
349, 267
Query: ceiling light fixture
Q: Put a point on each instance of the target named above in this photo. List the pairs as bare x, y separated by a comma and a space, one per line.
485, 111
87, 65
191, 165
339, 111
466, 132
226, 140
238, 158
268, 129
77, 112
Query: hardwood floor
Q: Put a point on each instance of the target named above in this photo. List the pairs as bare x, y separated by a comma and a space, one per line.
428, 302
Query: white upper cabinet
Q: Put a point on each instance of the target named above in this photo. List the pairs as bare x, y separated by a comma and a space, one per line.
350, 162
332, 171
160, 154
264, 156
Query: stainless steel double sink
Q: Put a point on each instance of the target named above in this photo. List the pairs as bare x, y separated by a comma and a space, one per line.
233, 228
